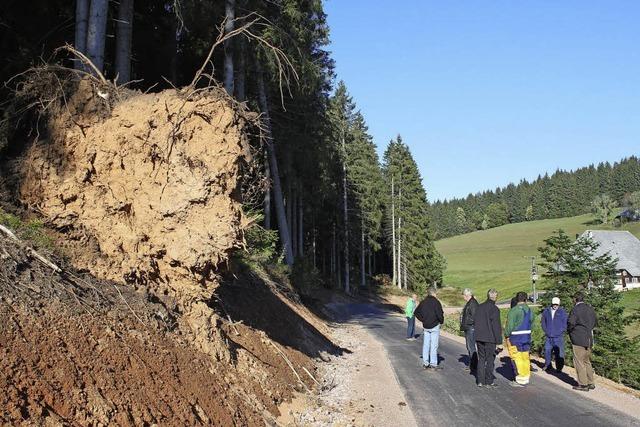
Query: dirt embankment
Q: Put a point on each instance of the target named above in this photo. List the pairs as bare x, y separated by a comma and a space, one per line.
143, 198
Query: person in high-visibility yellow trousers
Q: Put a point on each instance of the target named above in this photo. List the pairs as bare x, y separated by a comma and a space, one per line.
518, 339
521, 363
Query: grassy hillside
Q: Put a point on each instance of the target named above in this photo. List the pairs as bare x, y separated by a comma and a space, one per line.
496, 257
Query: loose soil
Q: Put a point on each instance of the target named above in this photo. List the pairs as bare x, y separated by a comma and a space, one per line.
148, 322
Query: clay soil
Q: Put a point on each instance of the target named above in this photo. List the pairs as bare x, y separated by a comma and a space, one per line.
147, 323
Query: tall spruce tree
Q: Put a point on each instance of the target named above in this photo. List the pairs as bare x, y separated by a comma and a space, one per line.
423, 263
365, 177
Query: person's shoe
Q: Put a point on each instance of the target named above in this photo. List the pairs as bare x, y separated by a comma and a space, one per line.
436, 366
581, 387
408, 338
492, 385
591, 386
425, 367
549, 370
466, 368
480, 385
533, 369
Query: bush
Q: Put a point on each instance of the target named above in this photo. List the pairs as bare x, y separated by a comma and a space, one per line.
304, 276
452, 324
382, 280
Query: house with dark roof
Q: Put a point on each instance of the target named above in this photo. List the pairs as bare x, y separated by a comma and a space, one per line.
628, 215
623, 246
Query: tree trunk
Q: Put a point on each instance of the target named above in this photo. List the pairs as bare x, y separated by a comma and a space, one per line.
300, 226
230, 15
283, 228
241, 71
294, 223
346, 220
314, 248
124, 34
393, 233
266, 204
82, 18
96, 32
405, 276
399, 262
332, 260
338, 269
363, 273
289, 200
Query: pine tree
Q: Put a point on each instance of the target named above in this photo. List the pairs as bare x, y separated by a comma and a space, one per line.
497, 214
367, 188
461, 221
423, 263
573, 266
603, 207
528, 216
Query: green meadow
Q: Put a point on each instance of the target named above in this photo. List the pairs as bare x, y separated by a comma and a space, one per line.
500, 257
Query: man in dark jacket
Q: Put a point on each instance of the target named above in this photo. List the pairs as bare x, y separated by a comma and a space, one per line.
430, 313
488, 335
581, 322
467, 326
554, 325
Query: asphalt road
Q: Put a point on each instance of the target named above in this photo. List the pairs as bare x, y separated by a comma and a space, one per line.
451, 397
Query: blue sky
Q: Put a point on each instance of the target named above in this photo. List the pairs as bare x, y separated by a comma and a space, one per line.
487, 92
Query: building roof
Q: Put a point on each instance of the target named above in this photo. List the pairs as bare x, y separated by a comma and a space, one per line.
629, 214
619, 244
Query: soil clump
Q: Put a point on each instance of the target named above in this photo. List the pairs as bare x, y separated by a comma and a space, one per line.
140, 327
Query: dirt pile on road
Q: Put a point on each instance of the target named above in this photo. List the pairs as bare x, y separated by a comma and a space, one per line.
143, 198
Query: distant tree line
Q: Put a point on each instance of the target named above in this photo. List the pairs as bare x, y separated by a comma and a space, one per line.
562, 194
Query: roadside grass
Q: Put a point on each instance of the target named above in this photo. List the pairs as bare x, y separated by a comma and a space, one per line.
499, 258
451, 297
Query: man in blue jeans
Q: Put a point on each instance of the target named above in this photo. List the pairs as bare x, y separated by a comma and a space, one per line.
430, 313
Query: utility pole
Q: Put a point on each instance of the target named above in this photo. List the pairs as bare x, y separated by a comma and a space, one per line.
534, 277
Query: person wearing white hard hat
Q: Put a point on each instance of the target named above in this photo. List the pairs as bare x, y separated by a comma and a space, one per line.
554, 325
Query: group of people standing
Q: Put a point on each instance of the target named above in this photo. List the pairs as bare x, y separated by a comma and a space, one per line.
484, 333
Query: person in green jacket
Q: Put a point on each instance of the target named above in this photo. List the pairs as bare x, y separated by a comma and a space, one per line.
409, 310
518, 338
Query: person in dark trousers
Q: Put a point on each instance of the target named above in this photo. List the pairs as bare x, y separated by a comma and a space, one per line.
430, 313
409, 308
554, 325
467, 326
582, 320
488, 335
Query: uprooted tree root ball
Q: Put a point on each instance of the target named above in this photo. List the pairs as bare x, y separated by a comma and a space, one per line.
142, 192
